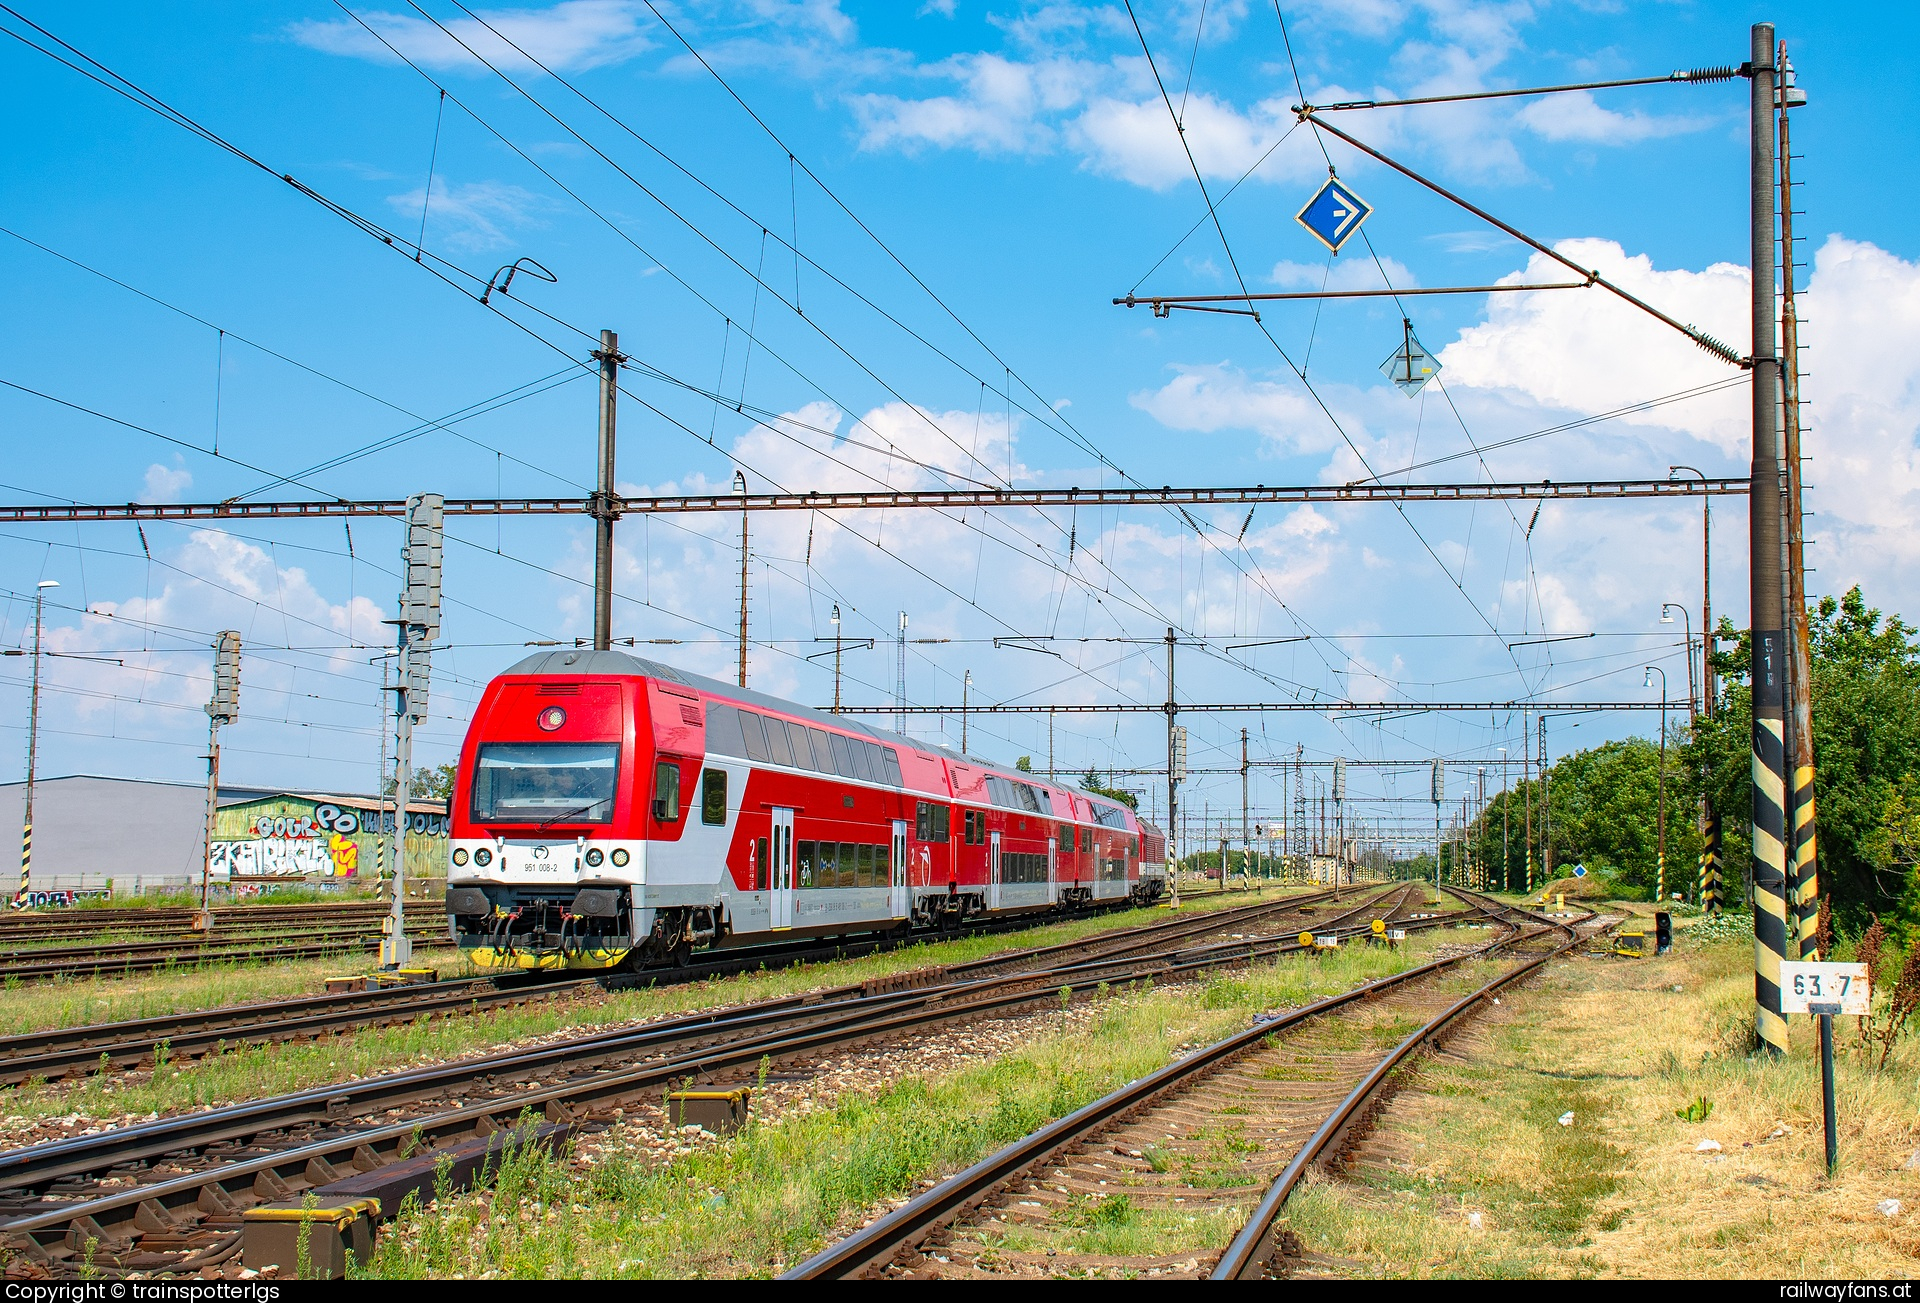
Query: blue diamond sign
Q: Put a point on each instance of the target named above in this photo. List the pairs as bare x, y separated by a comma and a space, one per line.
1334, 214
1579, 870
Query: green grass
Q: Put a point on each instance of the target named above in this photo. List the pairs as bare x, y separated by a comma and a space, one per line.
771, 1196
271, 1069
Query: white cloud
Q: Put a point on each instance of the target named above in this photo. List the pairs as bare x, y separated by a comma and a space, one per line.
572, 35
1578, 116
1589, 351
1002, 107
1213, 397
166, 484
475, 215
944, 8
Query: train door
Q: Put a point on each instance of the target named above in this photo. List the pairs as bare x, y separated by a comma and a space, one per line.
781, 892
1053, 876
993, 870
898, 897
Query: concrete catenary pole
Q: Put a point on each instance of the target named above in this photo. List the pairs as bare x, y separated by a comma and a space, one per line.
1767, 595
604, 505
1803, 857
33, 744
1439, 795
1172, 777
740, 487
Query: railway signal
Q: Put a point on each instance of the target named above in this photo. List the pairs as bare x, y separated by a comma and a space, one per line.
417, 625
224, 708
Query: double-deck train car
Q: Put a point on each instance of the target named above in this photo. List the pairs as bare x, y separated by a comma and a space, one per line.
613, 811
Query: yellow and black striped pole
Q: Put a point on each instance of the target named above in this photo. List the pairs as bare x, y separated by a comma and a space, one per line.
26, 864
1712, 894
1806, 874
1767, 594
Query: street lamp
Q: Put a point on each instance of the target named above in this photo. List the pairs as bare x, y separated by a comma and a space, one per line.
1660, 876
1686, 623
836, 657
1506, 807
33, 743
965, 684
740, 488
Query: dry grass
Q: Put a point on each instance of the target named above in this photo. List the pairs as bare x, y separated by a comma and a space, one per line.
271, 1069
752, 1204
1624, 1191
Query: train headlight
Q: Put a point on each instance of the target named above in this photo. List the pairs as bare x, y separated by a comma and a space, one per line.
620, 858
551, 718
483, 857
594, 857
459, 856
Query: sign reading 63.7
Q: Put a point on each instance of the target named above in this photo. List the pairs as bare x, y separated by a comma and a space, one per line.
1844, 985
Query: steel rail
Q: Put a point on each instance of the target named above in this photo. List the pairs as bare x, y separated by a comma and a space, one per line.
1252, 1250
882, 499
872, 1247
857, 1020
147, 960
41, 1164
53, 1052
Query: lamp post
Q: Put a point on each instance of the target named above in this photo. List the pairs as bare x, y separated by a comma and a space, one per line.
33, 743
1506, 826
966, 685
1686, 623
740, 487
836, 658
1660, 876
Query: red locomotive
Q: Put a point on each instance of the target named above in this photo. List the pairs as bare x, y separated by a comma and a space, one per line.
611, 810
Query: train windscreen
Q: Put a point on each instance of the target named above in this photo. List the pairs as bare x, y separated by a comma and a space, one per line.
545, 782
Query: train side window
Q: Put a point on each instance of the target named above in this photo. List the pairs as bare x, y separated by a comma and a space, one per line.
822, 750
723, 730
804, 860
760, 865
942, 830
890, 760
713, 796
842, 755
865, 876
753, 733
778, 752
875, 763
666, 791
802, 746
883, 866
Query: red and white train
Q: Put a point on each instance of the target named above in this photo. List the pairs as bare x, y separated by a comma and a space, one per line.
611, 810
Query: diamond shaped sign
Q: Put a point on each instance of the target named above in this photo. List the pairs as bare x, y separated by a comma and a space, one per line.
1334, 214
1410, 367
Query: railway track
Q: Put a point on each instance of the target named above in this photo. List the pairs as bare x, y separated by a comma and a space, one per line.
1194, 1145
58, 1052
176, 1185
114, 958
31, 925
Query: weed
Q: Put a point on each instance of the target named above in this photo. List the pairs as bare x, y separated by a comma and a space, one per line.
1698, 1111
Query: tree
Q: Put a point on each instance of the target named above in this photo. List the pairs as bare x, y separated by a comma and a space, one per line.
432, 783
1024, 764
1866, 750
1091, 785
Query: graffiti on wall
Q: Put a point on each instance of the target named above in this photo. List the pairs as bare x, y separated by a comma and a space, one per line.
322, 843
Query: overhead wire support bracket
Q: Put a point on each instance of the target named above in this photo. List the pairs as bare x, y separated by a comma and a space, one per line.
1682, 76
1163, 304
1709, 343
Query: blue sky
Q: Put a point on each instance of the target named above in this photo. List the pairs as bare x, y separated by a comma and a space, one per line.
1020, 165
